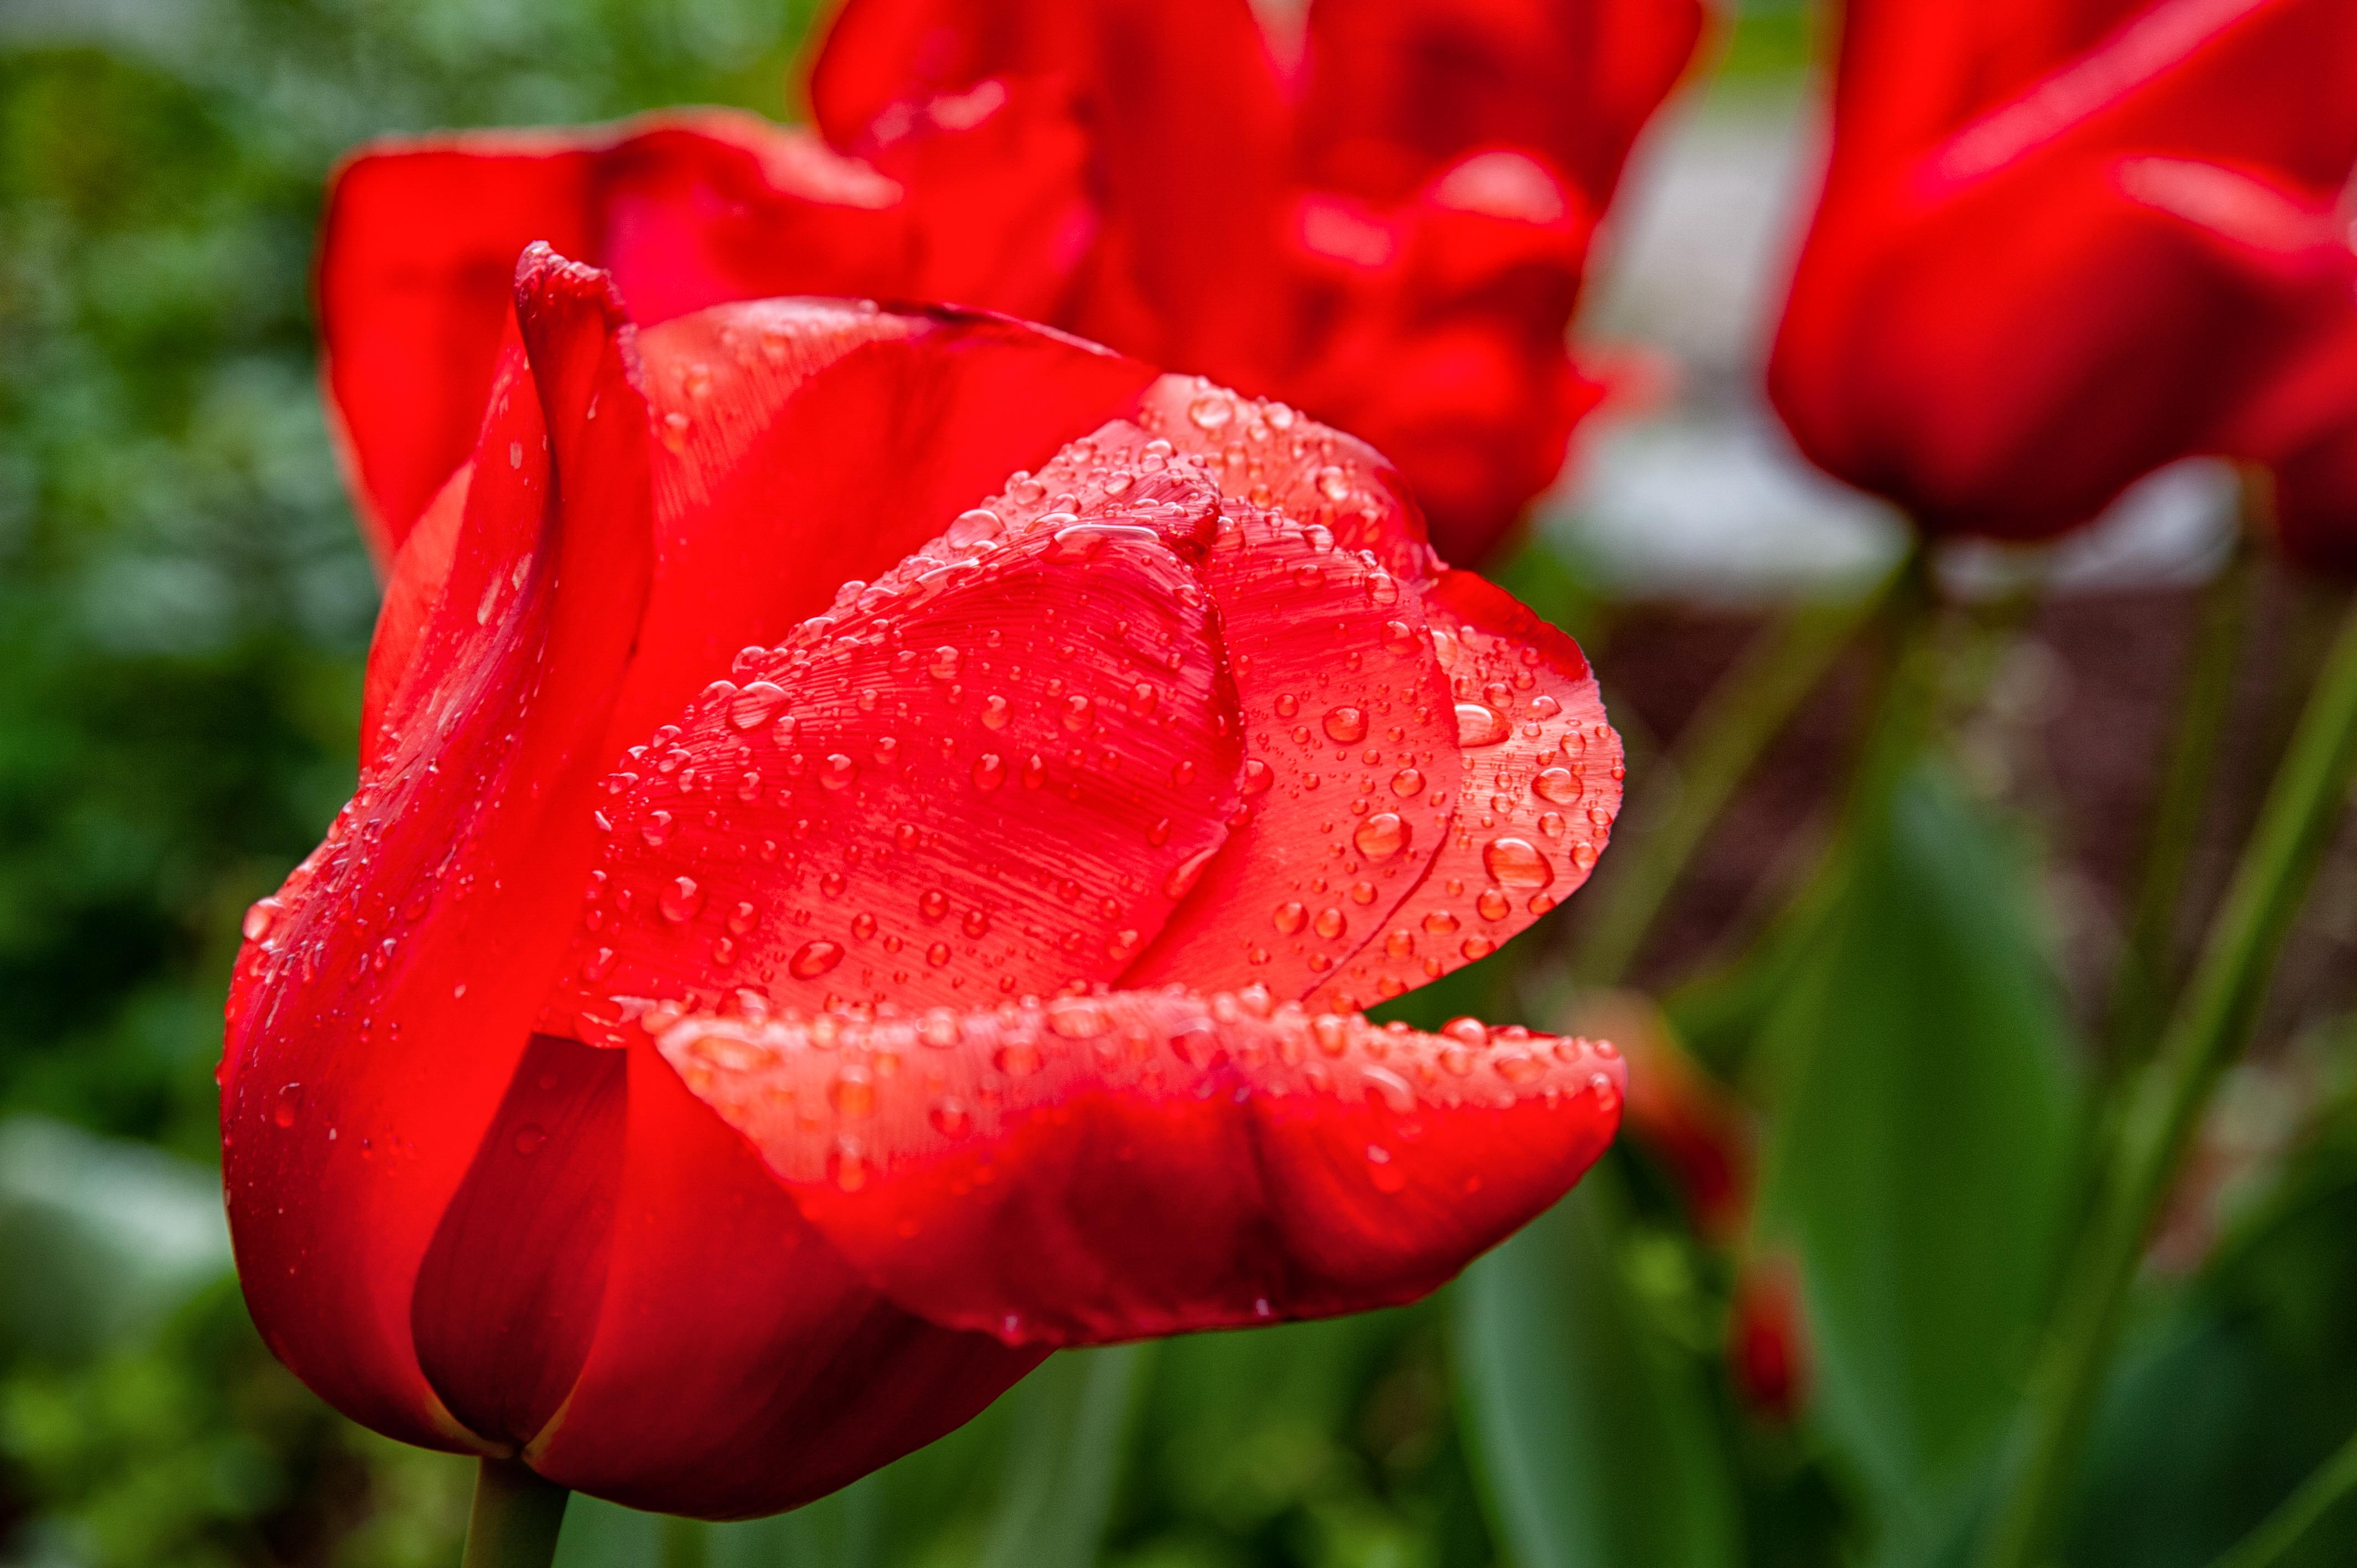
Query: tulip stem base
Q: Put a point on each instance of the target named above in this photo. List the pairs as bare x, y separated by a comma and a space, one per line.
515, 1517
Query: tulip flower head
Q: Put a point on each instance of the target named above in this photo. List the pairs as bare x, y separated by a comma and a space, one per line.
1383, 221
2062, 245
877, 827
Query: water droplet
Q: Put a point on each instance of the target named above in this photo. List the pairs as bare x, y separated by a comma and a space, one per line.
1331, 923
852, 1093
1333, 484
1034, 772
1560, 785
971, 528
814, 959
1492, 905
938, 955
975, 924
862, 925
1381, 836
1143, 697
994, 713
1516, 863
1078, 1019
1078, 710
655, 829
1440, 922
837, 770
846, 1164
1017, 1057
832, 884
1476, 946
933, 903
1407, 782
680, 899
1187, 872
288, 1105
529, 1139
944, 663
259, 916
1287, 704
1478, 723
949, 1117
989, 770
755, 703
1346, 727
1258, 777
1211, 411
1291, 917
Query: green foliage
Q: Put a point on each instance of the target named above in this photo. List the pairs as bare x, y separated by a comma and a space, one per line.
1922, 1154
1596, 1433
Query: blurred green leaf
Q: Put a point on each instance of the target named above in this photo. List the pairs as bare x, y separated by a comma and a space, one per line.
1594, 1434
1069, 1434
1922, 1142
2239, 1384
104, 1237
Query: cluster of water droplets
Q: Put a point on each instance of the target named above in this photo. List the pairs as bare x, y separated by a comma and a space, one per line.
845, 1096
1350, 764
1540, 789
1266, 453
916, 794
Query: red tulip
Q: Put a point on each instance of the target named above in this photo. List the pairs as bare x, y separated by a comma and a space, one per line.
2062, 245
1768, 1350
823, 921
1388, 228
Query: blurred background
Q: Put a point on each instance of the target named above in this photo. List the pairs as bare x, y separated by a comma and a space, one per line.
185, 606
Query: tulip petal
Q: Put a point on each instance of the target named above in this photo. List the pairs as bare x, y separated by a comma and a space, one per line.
412, 589
2014, 201
1352, 763
1106, 1167
1309, 471
1542, 786
1398, 88
782, 1375
1191, 143
689, 210
508, 1293
380, 1008
809, 443
990, 775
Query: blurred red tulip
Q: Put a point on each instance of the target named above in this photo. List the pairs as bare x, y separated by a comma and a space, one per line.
813, 934
1767, 1337
1386, 227
2063, 245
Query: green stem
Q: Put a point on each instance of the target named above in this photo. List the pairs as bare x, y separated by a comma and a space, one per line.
2165, 1104
2144, 980
2330, 1483
684, 1543
1746, 710
515, 1517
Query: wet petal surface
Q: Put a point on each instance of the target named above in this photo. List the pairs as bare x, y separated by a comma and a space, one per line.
984, 775
1105, 1167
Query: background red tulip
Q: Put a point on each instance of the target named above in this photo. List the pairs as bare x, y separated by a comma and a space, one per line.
649, 1073
1387, 228
2059, 246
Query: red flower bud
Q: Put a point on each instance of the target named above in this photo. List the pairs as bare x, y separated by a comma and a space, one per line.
2062, 245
